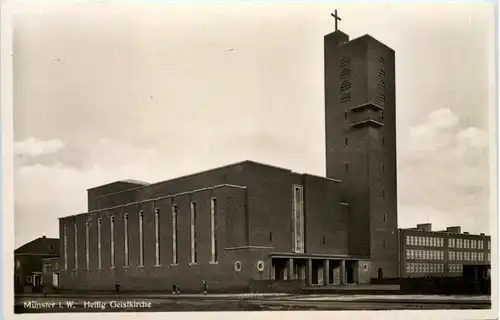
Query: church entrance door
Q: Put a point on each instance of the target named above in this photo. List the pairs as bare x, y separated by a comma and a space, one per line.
350, 275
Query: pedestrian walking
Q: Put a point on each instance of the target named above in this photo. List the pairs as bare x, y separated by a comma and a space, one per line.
117, 288
205, 287
174, 289
43, 291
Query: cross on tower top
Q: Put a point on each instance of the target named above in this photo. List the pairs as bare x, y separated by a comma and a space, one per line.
337, 19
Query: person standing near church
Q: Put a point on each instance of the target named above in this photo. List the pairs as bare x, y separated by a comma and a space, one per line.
117, 288
42, 291
205, 287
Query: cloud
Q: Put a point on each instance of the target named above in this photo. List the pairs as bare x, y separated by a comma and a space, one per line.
443, 173
46, 191
32, 147
443, 119
435, 133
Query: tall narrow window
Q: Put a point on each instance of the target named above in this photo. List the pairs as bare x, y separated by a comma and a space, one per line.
141, 238
345, 115
298, 219
193, 233
87, 245
125, 234
99, 248
157, 237
346, 141
65, 247
346, 167
112, 242
175, 254
76, 246
213, 226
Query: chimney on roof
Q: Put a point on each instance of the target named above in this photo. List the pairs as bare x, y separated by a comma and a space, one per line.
482, 234
44, 237
424, 226
455, 229
466, 233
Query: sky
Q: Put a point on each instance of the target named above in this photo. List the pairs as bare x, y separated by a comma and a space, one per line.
105, 92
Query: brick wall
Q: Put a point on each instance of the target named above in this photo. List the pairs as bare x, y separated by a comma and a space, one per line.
326, 220
255, 217
230, 209
230, 174
364, 158
94, 194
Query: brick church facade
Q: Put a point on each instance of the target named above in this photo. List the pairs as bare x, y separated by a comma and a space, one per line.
249, 221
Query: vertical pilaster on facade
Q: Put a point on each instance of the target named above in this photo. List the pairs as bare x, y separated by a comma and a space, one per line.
342, 272
326, 273
291, 271
309, 271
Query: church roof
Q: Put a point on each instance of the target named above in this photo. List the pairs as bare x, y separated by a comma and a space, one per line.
226, 166
133, 184
134, 181
41, 245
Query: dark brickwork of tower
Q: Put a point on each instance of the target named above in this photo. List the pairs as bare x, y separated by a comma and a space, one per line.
361, 143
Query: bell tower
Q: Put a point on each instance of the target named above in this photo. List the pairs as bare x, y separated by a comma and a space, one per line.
360, 112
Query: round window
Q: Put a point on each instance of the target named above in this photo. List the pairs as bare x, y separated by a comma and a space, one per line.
237, 266
365, 266
260, 265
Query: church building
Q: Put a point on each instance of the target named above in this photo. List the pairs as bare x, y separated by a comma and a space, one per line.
251, 221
